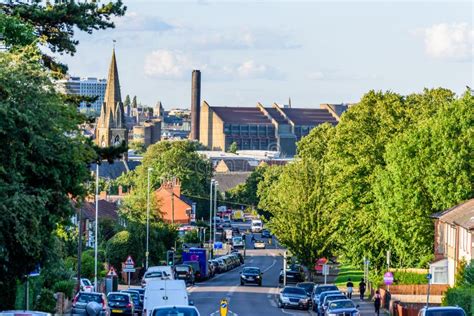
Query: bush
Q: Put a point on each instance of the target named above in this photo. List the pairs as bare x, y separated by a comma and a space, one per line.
405, 277
46, 301
462, 297
65, 286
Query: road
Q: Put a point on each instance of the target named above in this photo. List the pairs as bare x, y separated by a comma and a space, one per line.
249, 299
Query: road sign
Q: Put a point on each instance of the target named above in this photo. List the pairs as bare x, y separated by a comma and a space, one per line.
224, 307
325, 269
129, 261
129, 270
129, 266
111, 272
218, 245
388, 278
429, 276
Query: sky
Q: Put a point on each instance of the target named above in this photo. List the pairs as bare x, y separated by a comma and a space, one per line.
268, 51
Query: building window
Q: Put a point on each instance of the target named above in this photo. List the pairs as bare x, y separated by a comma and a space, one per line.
227, 128
440, 275
253, 130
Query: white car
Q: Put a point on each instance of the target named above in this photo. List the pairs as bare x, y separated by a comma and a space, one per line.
259, 244
86, 285
446, 310
237, 242
256, 226
176, 310
158, 272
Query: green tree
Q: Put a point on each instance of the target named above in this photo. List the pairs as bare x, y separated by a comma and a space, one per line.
134, 102
297, 201
233, 148
127, 101
42, 166
55, 24
246, 193
169, 159
429, 168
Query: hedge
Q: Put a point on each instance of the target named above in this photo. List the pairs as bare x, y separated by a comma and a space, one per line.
462, 297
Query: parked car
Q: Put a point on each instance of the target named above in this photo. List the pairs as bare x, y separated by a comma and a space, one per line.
196, 268
318, 305
292, 296
86, 285
259, 244
320, 288
23, 313
222, 265
81, 300
161, 293
266, 234
294, 274
158, 272
141, 291
121, 303
175, 310
251, 275
343, 307
308, 287
185, 272
235, 230
442, 311
327, 300
137, 301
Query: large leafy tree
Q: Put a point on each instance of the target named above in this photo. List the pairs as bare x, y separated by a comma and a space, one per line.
297, 200
56, 23
429, 168
169, 159
43, 165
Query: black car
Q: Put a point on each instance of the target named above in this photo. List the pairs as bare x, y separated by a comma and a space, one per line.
294, 274
266, 234
120, 303
137, 302
308, 287
184, 272
251, 275
292, 296
81, 300
198, 276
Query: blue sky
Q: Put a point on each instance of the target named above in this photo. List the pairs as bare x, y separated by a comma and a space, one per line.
266, 51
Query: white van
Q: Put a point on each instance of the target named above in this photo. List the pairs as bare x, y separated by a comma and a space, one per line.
256, 226
164, 293
158, 272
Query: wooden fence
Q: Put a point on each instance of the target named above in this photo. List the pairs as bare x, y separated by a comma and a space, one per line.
419, 289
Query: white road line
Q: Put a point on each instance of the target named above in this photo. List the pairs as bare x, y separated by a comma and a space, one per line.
271, 266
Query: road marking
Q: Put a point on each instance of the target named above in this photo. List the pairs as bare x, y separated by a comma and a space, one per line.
271, 266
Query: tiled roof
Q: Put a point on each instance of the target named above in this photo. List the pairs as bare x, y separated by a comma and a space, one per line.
310, 117
462, 215
276, 115
116, 169
106, 210
241, 115
230, 180
235, 165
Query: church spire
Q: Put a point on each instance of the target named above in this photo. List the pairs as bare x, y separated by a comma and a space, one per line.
112, 92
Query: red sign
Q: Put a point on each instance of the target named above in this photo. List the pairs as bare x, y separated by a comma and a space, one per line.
129, 261
112, 272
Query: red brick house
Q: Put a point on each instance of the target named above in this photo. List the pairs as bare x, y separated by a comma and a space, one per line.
172, 202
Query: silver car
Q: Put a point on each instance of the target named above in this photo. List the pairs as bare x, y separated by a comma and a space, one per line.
442, 311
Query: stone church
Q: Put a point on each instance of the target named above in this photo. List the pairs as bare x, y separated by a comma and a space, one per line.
111, 129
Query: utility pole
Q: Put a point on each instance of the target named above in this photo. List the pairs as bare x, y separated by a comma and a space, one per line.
215, 206
79, 251
210, 215
96, 239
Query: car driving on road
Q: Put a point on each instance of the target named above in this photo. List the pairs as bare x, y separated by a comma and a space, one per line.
294, 274
251, 275
184, 272
266, 234
259, 244
175, 311
120, 303
81, 300
292, 296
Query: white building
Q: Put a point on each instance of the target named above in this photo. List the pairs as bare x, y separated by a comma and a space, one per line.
454, 241
88, 86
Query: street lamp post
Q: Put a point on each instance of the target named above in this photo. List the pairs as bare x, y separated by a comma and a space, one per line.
216, 183
210, 211
147, 219
96, 241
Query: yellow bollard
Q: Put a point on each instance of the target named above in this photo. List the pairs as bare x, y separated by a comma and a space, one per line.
224, 307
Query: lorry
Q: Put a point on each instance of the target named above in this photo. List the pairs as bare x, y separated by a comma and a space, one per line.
164, 293
200, 256
256, 226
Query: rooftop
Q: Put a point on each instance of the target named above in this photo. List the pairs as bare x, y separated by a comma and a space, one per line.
311, 117
241, 115
461, 214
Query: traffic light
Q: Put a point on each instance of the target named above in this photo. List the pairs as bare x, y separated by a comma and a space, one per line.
170, 257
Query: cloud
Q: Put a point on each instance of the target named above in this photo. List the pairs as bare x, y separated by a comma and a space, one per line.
243, 39
176, 65
135, 22
333, 74
449, 41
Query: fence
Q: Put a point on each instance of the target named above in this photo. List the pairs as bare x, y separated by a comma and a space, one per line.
419, 289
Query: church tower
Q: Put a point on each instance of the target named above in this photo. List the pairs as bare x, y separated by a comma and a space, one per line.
111, 129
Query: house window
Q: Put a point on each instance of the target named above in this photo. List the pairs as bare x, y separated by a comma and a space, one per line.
440, 275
